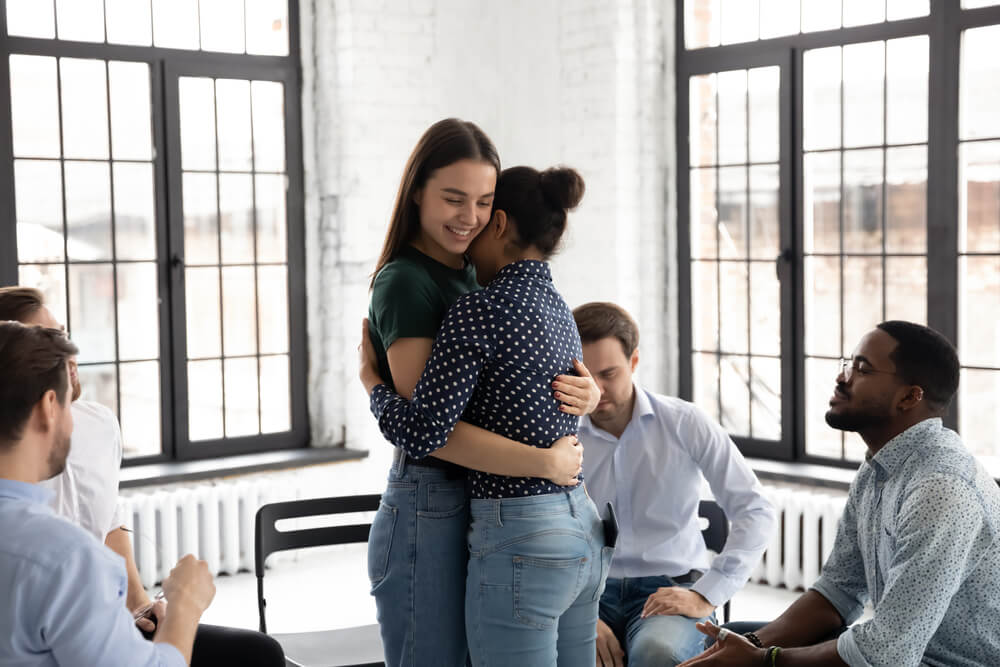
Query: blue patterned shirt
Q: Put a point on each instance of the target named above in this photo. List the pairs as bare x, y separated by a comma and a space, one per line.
492, 365
919, 538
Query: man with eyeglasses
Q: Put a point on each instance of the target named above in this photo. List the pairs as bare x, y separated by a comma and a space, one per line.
919, 537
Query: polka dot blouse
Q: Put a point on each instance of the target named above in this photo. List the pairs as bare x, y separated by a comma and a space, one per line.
492, 365
920, 539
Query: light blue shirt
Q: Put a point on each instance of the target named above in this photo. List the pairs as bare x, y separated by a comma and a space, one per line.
62, 593
653, 476
918, 537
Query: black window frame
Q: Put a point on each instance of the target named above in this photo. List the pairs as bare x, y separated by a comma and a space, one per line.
944, 25
166, 66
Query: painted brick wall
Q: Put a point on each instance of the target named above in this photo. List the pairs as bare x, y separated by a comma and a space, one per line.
586, 83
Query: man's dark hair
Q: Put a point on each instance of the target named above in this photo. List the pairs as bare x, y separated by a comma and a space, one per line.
925, 358
32, 361
598, 320
19, 303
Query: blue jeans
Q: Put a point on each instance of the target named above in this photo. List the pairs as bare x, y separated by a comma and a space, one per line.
662, 641
536, 572
417, 558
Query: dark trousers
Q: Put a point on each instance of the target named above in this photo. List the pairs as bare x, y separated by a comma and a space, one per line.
216, 646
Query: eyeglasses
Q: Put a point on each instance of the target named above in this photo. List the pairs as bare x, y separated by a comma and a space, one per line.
850, 367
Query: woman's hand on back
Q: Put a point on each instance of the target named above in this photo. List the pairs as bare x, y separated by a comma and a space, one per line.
367, 361
565, 461
578, 394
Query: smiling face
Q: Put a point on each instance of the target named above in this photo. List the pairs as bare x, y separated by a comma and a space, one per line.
868, 392
454, 206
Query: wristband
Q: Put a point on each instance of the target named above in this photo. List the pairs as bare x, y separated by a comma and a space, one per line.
753, 639
771, 656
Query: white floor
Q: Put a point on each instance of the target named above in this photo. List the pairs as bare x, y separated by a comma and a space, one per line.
328, 588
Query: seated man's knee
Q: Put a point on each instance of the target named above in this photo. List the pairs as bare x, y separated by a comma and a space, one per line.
652, 650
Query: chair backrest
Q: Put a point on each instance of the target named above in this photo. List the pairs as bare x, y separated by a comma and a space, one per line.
718, 527
268, 539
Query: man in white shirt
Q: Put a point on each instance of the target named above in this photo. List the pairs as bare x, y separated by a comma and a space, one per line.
646, 454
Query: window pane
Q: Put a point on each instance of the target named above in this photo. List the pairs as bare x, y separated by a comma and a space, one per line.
222, 27
905, 9
906, 200
704, 306
979, 302
703, 213
733, 117
906, 92
131, 115
862, 298
739, 21
129, 22
88, 210
906, 289
175, 23
706, 384
822, 305
822, 202
236, 217
267, 27
135, 216
980, 94
765, 225
979, 197
764, 84
51, 280
140, 418
138, 314
778, 18
863, 201
80, 20
204, 400
30, 18
34, 106
820, 15
979, 420
197, 112
733, 305
233, 109
268, 125
38, 203
84, 99
272, 230
92, 311
275, 395
242, 417
99, 383
971, 4
735, 376
863, 12
821, 377
765, 309
201, 301
864, 71
733, 212
272, 290
821, 98
765, 392
201, 219
854, 447
701, 23
239, 324
702, 121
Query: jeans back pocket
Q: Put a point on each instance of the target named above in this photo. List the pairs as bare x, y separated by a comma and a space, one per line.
380, 543
545, 588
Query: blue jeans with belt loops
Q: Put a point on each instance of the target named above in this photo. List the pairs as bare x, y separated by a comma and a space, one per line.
417, 557
536, 573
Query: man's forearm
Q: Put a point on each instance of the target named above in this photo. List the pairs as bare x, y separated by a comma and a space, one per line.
820, 655
809, 620
118, 541
179, 627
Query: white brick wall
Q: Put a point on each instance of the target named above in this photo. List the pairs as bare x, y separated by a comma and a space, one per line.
586, 83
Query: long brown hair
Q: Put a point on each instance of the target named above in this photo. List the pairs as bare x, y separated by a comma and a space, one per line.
445, 142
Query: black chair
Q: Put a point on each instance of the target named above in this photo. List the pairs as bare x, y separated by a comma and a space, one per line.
715, 534
348, 647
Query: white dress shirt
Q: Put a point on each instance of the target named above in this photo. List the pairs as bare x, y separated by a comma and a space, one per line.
86, 492
652, 475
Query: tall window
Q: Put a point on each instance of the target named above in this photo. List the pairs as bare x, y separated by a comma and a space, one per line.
155, 176
889, 109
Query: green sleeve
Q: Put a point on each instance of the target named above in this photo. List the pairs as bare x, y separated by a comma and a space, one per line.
405, 304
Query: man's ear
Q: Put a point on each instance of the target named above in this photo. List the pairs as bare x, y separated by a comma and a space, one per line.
499, 221
912, 398
47, 410
633, 362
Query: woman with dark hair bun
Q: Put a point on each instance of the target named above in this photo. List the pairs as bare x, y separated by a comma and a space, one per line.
538, 558
417, 552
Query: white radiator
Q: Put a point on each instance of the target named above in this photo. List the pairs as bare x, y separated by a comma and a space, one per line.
807, 526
